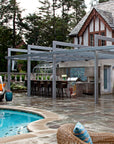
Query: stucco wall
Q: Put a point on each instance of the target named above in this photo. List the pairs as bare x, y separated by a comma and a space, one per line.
76, 40
91, 26
89, 70
97, 24
102, 26
86, 37
109, 34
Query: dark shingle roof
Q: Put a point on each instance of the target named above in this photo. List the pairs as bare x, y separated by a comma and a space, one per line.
107, 16
106, 10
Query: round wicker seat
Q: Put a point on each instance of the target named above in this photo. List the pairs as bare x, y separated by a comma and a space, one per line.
65, 136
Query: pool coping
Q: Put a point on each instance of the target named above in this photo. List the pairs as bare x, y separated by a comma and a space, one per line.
37, 129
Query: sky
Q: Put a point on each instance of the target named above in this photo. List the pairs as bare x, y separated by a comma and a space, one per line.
31, 6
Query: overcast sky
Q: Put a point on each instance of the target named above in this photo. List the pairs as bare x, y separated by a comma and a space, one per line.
31, 6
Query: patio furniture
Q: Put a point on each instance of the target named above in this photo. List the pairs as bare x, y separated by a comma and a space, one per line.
61, 85
2, 88
34, 88
65, 136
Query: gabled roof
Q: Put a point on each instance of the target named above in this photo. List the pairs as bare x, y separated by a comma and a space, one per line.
107, 15
77, 28
107, 6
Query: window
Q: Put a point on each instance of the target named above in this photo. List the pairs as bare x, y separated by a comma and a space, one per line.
91, 40
100, 42
103, 41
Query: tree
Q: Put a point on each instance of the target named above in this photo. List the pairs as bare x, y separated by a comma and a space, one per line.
44, 27
79, 10
72, 12
11, 16
15, 14
4, 7
33, 28
100, 1
5, 42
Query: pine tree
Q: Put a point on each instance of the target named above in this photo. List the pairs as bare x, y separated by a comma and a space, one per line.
4, 8
15, 14
79, 10
100, 1
5, 42
10, 15
45, 9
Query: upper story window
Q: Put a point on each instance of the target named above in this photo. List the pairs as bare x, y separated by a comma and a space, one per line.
91, 40
103, 41
100, 42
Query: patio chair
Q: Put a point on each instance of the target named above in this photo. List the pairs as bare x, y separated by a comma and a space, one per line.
2, 89
65, 136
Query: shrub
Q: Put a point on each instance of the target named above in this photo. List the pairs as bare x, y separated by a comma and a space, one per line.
23, 77
44, 78
18, 77
13, 77
48, 77
40, 77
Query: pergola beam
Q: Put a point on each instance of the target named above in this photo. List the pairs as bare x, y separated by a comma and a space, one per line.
99, 37
80, 52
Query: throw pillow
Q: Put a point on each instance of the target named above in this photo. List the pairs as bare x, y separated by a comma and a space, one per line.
82, 133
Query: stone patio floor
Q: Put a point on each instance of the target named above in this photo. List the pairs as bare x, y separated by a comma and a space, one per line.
96, 117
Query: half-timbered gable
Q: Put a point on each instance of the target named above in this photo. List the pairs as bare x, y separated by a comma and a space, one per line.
96, 21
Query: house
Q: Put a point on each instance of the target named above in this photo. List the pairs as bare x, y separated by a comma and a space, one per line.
99, 20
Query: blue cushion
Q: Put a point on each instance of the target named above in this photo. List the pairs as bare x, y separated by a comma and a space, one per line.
82, 133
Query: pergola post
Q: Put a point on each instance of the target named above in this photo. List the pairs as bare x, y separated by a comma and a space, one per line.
54, 73
28, 73
9, 69
96, 80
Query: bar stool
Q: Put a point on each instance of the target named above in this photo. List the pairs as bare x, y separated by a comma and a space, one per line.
60, 88
33, 87
49, 89
42, 87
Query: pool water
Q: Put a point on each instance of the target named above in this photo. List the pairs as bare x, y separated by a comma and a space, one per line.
15, 122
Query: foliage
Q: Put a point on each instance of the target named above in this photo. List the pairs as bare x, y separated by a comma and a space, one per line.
10, 36
11, 14
13, 77
21, 66
18, 77
48, 77
47, 25
5, 42
40, 77
100, 1
38, 28
23, 77
15, 86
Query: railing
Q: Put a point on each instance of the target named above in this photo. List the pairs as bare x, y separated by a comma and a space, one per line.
20, 77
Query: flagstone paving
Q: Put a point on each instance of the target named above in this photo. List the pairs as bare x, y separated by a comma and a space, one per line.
95, 117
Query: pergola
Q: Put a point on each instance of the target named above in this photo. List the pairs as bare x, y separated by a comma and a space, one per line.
56, 54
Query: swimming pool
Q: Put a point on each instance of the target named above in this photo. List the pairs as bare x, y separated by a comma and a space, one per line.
14, 122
